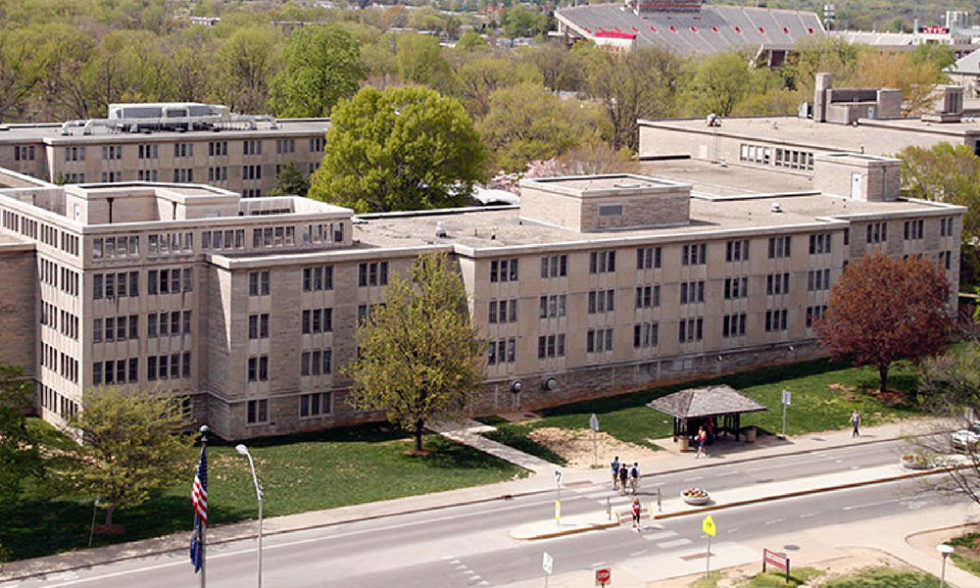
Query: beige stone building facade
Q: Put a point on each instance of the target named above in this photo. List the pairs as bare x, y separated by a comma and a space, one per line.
248, 309
236, 152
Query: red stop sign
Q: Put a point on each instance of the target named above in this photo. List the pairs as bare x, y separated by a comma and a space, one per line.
603, 576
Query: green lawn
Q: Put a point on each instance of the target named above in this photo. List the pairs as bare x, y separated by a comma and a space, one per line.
884, 578
824, 394
966, 555
300, 473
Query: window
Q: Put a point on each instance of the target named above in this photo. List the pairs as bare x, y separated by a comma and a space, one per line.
847, 236
611, 210
151, 368
645, 335
285, 145
502, 351
97, 289
819, 243
183, 175
503, 311
552, 306
311, 405
779, 247
777, 284
258, 368
877, 232
74, 154
692, 292
258, 326
737, 287
503, 270
945, 227
258, 412
258, 283
914, 229
372, 274
648, 258
776, 320
601, 301
737, 250
218, 174
733, 325
97, 331
317, 144
647, 296
217, 148
147, 151
24, 153
694, 254
251, 172
252, 147
690, 329
599, 340
551, 346
554, 266
183, 150
818, 280
110, 152
601, 262
814, 313
315, 363
317, 278
946, 259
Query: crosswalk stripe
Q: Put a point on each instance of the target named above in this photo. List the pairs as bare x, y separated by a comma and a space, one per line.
674, 543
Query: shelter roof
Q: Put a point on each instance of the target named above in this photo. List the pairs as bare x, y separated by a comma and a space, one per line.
705, 402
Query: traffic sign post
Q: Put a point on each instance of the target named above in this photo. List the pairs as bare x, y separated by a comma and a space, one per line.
558, 499
603, 577
708, 526
548, 565
787, 400
594, 425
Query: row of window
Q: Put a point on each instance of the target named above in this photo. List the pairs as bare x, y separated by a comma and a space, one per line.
115, 371
116, 328
57, 361
317, 278
310, 405
115, 285
166, 324
503, 311
317, 320
57, 403
317, 362
118, 246
170, 281
168, 367
49, 235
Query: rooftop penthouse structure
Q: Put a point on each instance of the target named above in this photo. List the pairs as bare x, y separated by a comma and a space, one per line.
248, 309
174, 142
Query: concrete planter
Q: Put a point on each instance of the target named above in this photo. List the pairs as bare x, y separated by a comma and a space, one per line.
695, 497
914, 463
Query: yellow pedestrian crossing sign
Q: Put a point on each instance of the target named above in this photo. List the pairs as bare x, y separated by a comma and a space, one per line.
708, 525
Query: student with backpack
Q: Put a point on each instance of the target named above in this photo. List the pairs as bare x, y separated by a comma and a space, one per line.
634, 477
623, 477
615, 473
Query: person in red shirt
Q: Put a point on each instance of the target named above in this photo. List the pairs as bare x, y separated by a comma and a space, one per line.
636, 514
702, 437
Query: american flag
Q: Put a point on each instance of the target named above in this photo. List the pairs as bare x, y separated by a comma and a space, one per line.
199, 496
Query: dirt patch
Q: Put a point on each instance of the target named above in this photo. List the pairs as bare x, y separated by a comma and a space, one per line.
576, 446
889, 397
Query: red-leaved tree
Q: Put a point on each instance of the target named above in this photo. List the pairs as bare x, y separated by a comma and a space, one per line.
887, 308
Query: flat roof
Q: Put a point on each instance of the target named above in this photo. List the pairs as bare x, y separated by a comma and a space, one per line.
50, 133
731, 179
501, 227
880, 137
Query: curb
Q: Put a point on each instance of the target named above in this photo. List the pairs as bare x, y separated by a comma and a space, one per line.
713, 507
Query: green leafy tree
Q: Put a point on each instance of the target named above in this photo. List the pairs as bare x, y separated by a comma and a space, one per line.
322, 64
825, 54
950, 174
472, 41
402, 148
886, 308
420, 356
521, 21
20, 69
20, 456
290, 181
130, 446
420, 60
720, 82
480, 77
527, 122
639, 84
242, 67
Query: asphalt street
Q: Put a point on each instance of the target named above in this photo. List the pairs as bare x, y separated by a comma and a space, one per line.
469, 545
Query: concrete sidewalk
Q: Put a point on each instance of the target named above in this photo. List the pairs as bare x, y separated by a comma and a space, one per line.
665, 461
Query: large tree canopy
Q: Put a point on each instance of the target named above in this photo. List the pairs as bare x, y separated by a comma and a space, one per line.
420, 357
20, 457
399, 149
130, 446
322, 65
886, 308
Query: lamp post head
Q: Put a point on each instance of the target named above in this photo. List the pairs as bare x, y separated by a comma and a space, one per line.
944, 549
241, 449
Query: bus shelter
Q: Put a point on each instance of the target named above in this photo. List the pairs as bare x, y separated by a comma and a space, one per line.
717, 408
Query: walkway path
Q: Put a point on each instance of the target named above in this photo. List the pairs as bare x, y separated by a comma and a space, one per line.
468, 432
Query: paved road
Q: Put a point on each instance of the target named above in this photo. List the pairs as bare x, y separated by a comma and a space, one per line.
469, 546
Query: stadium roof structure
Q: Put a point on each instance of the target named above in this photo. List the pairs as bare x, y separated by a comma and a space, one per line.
707, 30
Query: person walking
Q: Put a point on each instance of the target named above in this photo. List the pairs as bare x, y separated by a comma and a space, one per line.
702, 437
615, 473
634, 477
623, 477
637, 509
856, 421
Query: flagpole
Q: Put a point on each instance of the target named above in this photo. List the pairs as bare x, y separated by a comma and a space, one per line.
204, 523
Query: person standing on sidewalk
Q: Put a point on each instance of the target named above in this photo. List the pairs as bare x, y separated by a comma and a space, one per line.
615, 473
856, 421
623, 479
702, 437
637, 509
634, 477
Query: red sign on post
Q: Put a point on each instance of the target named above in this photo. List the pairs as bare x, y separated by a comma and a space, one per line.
603, 577
776, 560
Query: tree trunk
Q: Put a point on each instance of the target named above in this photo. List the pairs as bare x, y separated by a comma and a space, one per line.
419, 427
883, 378
108, 516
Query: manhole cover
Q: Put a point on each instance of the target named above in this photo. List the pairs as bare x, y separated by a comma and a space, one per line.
791, 547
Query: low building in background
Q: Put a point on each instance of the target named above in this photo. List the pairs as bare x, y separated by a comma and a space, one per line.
168, 143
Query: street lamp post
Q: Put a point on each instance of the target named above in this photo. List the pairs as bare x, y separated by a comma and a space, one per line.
945, 550
260, 495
